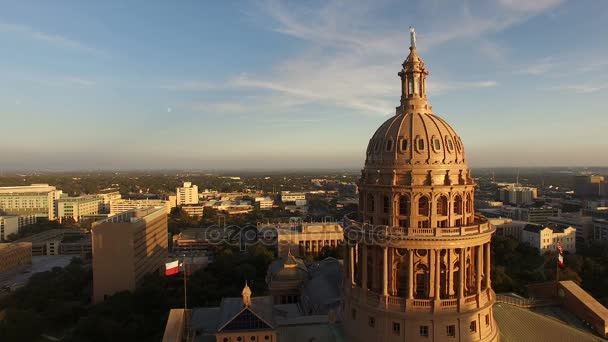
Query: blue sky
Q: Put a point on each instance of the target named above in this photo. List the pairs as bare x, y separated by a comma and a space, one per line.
300, 84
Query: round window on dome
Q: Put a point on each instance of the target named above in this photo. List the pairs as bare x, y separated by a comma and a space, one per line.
419, 144
458, 144
389, 145
403, 144
436, 144
449, 143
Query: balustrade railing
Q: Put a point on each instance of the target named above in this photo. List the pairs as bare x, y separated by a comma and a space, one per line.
381, 230
470, 299
451, 304
421, 303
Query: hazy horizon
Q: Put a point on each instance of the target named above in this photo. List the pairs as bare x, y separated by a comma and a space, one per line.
269, 84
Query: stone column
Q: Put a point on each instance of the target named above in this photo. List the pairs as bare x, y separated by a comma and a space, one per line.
461, 273
410, 272
351, 263
450, 269
437, 266
478, 251
431, 268
385, 271
364, 267
487, 266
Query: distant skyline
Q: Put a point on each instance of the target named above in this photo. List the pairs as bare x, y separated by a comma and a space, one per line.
272, 84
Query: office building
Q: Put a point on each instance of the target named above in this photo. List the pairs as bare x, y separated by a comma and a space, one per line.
14, 256
35, 199
418, 258
600, 229
107, 196
77, 208
517, 195
187, 194
537, 215
51, 242
288, 196
583, 225
121, 205
8, 225
264, 203
546, 237
193, 210
126, 247
590, 186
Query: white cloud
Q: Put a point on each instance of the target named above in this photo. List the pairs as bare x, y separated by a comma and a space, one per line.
190, 85
49, 38
540, 67
532, 6
583, 88
350, 58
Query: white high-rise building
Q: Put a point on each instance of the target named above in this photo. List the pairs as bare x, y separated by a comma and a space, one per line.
75, 208
29, 200
187, 194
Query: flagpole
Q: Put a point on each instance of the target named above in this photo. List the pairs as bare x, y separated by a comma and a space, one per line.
557, 269
185, 284
186, 328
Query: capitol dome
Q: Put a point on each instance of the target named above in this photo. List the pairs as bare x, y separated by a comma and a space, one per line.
418, 261
411, 138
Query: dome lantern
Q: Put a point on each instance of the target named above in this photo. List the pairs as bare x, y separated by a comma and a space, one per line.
413, 78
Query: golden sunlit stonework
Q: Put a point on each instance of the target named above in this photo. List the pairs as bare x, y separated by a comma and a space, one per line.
418, 258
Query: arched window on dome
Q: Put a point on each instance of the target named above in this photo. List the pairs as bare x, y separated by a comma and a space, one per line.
422, 282
468, 204
370, 203
389, 145
423, 206
442, 206
386, 204
458, 205
404, 205
403, 144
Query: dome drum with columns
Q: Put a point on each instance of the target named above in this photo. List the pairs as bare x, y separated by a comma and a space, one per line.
418, 261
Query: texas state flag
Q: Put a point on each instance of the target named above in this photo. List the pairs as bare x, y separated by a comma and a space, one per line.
172, 268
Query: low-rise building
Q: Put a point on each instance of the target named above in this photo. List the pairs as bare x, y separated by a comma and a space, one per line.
233, 207
193, 210
126, 247
50, 242
288, 196
538, 215
507, 227
264, 203
301, 238
77, 208
15, 255
122, 205
546, 238
8, 225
